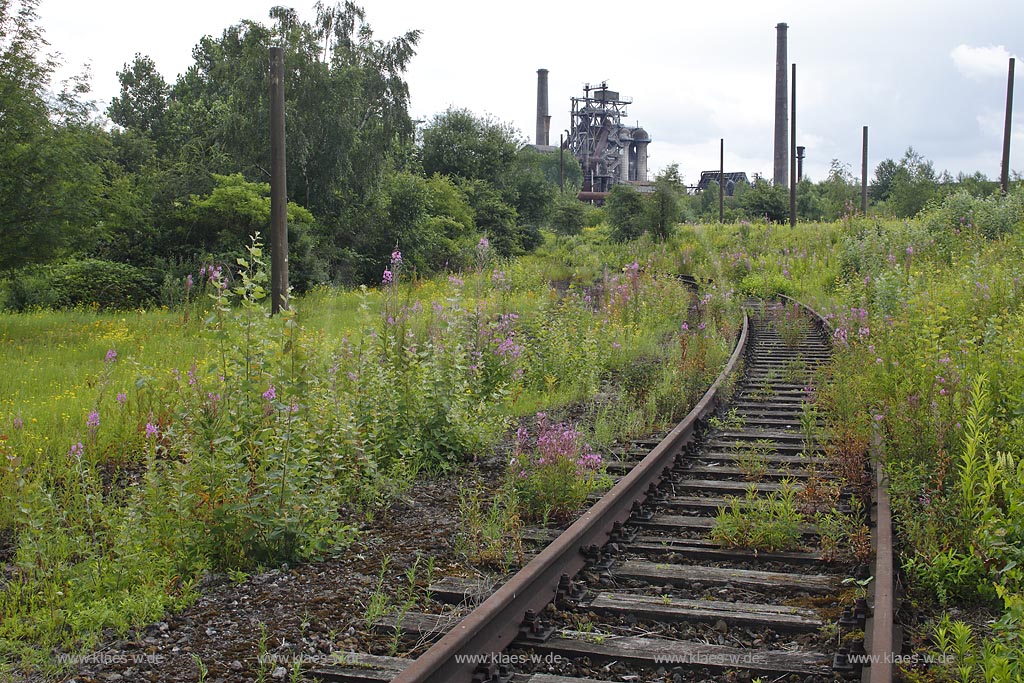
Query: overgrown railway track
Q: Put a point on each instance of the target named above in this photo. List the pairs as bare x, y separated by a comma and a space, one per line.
644, 587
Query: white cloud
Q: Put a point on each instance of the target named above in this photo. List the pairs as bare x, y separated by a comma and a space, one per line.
980, 63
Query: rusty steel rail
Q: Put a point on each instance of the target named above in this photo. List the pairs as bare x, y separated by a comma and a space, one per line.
494, 624
881, 633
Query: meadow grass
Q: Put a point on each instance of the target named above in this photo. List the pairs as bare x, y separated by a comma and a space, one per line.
141, 449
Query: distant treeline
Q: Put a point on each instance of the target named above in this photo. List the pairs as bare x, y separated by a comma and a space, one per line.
116, 208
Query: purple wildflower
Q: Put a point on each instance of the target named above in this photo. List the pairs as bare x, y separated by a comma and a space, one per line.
188, 283
121, 397
111, 356
77, 450
388, 278
16, 422
270, 394
152, 431
93, 421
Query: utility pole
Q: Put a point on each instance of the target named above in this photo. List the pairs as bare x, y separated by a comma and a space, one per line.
792, 152
561, 162
278, 187
864, 175
1004, 178
721, 181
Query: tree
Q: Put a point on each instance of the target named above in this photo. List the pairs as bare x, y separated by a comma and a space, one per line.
664, 208
625, 211
768, 201
527, 188
568, 215
222, 222
977, 185
143, 99
459, 144
913, 185
346, 104
838, 191
429, 219
50, 159
881, 188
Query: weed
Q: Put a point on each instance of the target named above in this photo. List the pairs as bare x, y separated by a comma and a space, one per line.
490, 535
553, 474
730, 422
380, 599
771, 522
203, 670
752, 457
263, 660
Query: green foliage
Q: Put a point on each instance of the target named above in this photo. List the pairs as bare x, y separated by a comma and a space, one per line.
457, 143
665, 205
771, 522
51, 162
767, 201
429, 218
913, 185
624, 209
497, 219
82, 282
765, 285
143, 99
568, 215
236, 208
490, 535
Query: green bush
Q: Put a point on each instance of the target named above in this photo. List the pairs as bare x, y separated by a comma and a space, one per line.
765, 285
83, 282
569, 216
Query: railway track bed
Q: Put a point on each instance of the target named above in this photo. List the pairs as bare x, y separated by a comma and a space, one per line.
644, 586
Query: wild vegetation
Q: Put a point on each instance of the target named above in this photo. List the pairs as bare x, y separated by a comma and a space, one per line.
246, 436
195, 433
926, 316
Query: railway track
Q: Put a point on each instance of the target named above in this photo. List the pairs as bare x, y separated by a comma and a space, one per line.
644, 587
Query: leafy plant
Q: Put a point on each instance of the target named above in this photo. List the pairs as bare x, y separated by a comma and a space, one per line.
771, 522
490, 535
553, 473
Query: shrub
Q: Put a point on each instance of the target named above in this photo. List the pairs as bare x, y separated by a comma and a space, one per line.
84, 282
765, 285
554, 473
568, 216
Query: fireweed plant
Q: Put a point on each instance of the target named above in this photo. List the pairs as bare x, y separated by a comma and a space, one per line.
927, 317
554, 472
250, 434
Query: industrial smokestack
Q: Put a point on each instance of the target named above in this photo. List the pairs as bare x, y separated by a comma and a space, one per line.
543, 119
781, 175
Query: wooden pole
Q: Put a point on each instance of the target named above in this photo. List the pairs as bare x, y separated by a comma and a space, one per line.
792, 151
721, 181
561, 162
1004, 178
278, 187
864, 175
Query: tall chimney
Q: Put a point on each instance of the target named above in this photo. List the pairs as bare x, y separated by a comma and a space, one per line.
781, 175
543, 119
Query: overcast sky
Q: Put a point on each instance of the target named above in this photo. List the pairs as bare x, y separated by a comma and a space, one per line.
926, 73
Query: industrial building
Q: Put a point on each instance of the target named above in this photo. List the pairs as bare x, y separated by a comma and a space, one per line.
609, 151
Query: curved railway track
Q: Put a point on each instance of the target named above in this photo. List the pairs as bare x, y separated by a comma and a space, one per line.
636, 589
